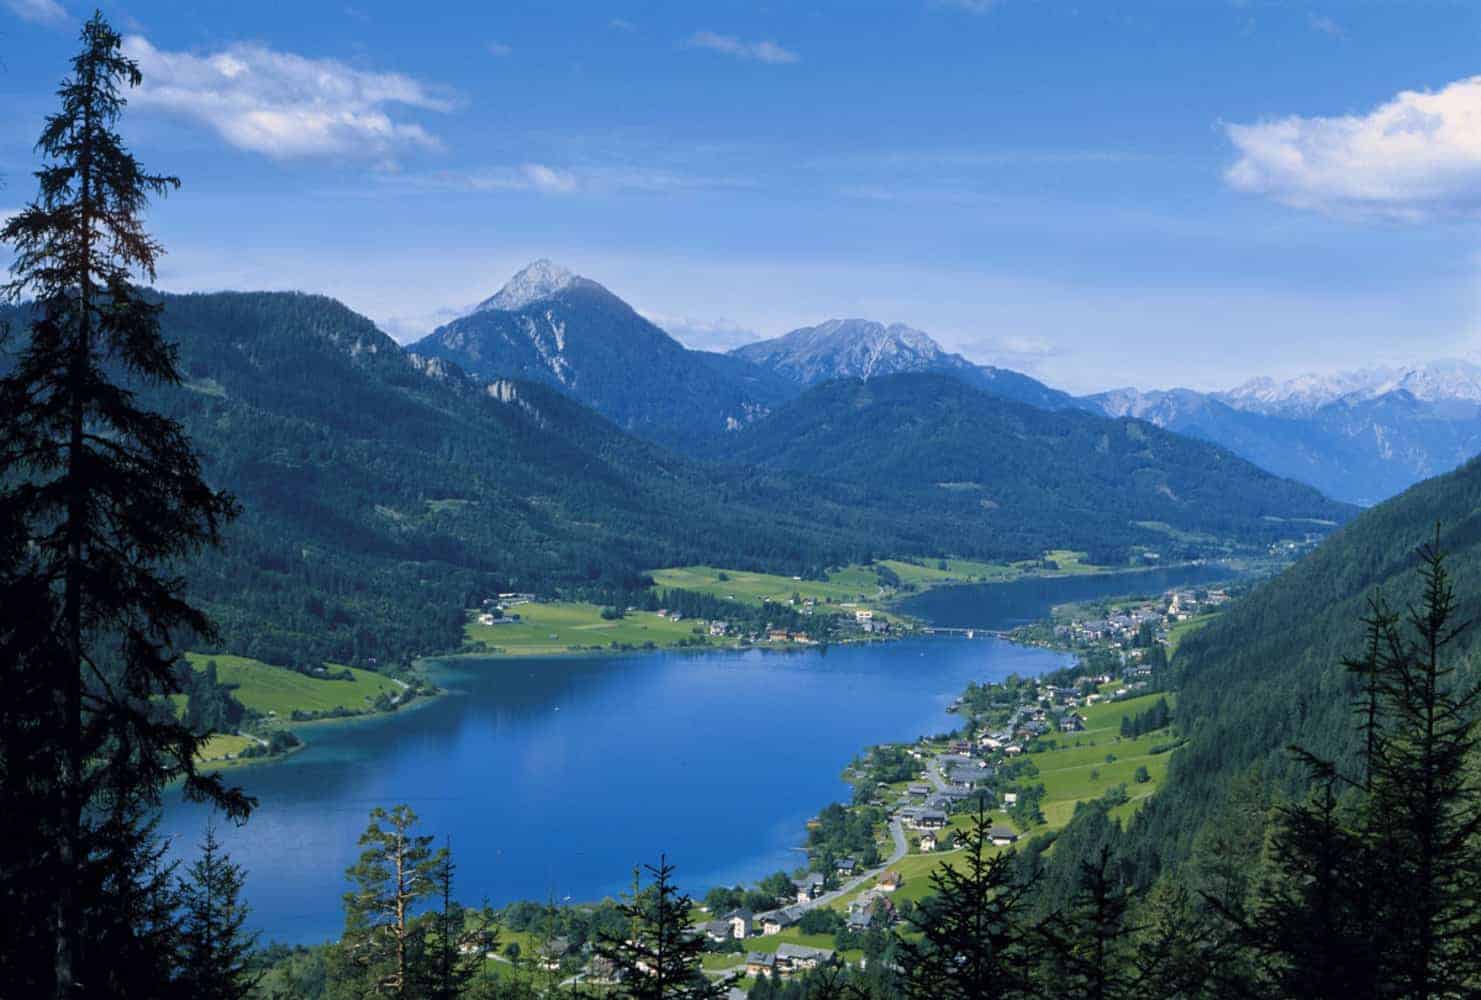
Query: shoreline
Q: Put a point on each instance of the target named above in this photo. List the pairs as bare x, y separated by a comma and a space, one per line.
918, 629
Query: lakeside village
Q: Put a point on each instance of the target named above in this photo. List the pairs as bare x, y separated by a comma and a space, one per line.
1029, 750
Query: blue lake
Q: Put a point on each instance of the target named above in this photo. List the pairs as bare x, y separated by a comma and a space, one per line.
554, 777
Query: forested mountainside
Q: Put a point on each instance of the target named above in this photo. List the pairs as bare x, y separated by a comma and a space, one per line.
861, 348
548, 325
1268, 673
381, 492
1035, 475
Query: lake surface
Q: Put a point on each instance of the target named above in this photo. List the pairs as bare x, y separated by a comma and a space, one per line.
554, 777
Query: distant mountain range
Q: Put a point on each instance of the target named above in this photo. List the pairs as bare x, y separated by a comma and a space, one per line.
549, 325
1360, 436
552, 326
864, 349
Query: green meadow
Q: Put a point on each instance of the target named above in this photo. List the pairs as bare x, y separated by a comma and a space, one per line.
279, 691
567, 626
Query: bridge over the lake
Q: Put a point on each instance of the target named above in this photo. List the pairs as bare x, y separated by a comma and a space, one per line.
970, 633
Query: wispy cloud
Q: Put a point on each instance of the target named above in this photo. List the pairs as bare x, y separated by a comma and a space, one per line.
971, 6
704, 334
498, 49
1325, 25
285, 105
1415, 157
1020, 352
621, 25
763, 51
541, 178
39, 11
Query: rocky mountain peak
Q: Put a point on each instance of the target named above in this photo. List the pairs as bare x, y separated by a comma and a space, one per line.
538, 280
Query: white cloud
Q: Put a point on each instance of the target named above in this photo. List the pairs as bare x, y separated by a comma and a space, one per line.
1325, 25
1415, 157
620, 24
499, 49
39, 11
764, 51
285, 105
1020, 352
704, 334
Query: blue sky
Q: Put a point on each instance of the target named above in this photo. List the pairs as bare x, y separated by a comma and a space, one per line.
1101, 193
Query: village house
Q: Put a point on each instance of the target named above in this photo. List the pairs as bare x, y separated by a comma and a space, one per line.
718, 931
927, 843
890, 881
718, 628
800, 958
776, 921
931, 819
846, 866
760, 963
809, 888
740, 923
1001, 836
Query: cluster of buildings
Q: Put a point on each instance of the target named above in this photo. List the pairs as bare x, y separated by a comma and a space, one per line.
496, 610
787, 959
1124, 627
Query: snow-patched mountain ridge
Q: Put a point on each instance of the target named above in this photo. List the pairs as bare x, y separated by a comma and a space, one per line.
1448, 380
849, 348
537, 281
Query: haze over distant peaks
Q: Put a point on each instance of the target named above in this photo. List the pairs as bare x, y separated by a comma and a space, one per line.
849, 348
861, 348
538, 280
1447, 380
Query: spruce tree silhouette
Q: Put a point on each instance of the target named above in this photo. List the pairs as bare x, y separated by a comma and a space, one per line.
106, 498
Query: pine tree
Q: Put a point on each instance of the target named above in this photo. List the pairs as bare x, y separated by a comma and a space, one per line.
216, 949
397, 870
458, 940
975, 942
1425, 801
660, 957
1089, 944
110, 496
1312, 925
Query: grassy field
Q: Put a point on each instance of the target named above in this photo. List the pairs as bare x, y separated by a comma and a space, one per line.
859, 584
561, 627
224, 745
279, 692
855, 584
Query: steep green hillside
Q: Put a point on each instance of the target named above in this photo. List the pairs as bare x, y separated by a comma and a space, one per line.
1267, 673
1043, 479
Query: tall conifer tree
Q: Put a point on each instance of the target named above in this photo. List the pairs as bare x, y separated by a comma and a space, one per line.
109, 495
216, 949
659, 959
